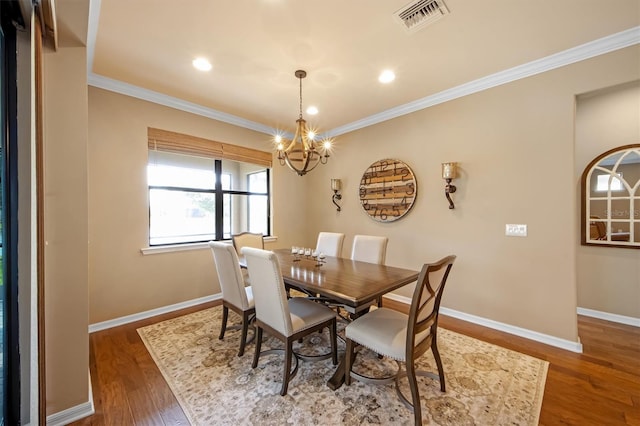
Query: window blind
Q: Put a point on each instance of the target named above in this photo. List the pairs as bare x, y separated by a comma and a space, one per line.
179, 143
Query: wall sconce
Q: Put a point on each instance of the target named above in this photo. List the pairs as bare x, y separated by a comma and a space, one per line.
336, 186
449, 172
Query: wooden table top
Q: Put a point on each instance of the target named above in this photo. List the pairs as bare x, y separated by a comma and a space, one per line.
349, 282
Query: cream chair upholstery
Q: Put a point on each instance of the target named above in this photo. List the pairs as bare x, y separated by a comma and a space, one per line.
235, 295
371, 249
286, 319
404, 337
246, 239
330, 243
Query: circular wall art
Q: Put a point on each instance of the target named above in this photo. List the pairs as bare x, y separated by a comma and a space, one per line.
388, 189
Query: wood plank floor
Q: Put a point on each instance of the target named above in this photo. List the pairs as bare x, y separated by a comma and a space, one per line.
599, 387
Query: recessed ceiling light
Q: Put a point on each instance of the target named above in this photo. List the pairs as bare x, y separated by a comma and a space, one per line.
387, 76
202, 64
312, 110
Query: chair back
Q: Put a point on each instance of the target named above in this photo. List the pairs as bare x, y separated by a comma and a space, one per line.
269, 294
425, 305
330, 243
369, 248
229, 274
247, 239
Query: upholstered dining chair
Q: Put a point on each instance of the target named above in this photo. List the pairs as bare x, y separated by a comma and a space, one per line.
402, 337
330, 243
235, 295
371, 249
246, 239
286, 319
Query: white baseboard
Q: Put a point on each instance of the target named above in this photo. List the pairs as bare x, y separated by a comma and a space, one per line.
72, 414
151, 313
622, 319
507, 328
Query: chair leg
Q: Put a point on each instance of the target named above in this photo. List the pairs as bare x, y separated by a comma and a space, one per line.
415, 394
436, 355
333, 334
348, 362
223, 325
243, 337
256, 355
287, 367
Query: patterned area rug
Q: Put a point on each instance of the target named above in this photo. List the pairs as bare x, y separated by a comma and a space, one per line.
486, 384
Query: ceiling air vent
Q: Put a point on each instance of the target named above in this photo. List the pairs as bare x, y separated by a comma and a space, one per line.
420, 13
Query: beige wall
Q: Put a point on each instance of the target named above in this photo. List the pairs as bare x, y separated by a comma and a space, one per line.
513, 143
122, 281
608, 277
66, 255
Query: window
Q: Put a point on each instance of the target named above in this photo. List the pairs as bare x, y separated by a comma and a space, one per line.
603, 182
258, 183
198, 198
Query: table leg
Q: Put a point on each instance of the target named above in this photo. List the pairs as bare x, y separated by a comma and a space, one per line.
337, 379
338, 376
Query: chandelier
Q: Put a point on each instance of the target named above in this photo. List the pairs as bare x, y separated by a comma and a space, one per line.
303, 153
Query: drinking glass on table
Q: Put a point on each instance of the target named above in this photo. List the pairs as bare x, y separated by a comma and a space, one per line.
294, 252
307, 252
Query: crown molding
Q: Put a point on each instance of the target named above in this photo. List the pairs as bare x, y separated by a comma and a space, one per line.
597, 47
161, 99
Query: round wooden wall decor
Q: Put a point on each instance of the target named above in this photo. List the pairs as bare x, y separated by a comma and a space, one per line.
388, 189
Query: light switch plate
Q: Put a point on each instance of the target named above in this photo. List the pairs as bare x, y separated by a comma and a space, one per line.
515, 230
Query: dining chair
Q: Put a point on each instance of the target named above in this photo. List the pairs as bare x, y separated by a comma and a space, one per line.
371, 249
330, 243
235, 295
286, 319
403, 337
246, 239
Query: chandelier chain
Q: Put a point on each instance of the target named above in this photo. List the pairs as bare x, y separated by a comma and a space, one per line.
300, 79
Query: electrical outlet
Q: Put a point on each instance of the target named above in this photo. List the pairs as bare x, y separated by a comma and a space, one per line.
515, 230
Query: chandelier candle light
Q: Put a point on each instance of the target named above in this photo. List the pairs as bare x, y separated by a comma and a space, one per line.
302, 154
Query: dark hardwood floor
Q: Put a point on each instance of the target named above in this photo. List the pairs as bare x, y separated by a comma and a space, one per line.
599, 387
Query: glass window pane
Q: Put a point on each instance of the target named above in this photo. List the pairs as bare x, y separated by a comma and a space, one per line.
257, 211
247, 213
182, 171
258, 182
239, 172
180, 216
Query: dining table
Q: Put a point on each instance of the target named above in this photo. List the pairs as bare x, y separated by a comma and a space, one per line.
352, 284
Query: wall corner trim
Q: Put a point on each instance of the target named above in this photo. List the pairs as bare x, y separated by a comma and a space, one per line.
500, 326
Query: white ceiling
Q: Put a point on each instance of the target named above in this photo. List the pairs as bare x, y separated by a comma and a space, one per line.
145, 48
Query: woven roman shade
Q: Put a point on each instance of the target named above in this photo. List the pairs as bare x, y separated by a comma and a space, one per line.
179, 143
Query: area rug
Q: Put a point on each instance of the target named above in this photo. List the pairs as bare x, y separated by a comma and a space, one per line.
486, 384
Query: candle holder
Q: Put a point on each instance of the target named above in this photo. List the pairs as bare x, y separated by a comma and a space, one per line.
449, 172
336, 186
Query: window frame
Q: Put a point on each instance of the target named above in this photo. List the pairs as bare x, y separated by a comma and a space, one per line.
162, 140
